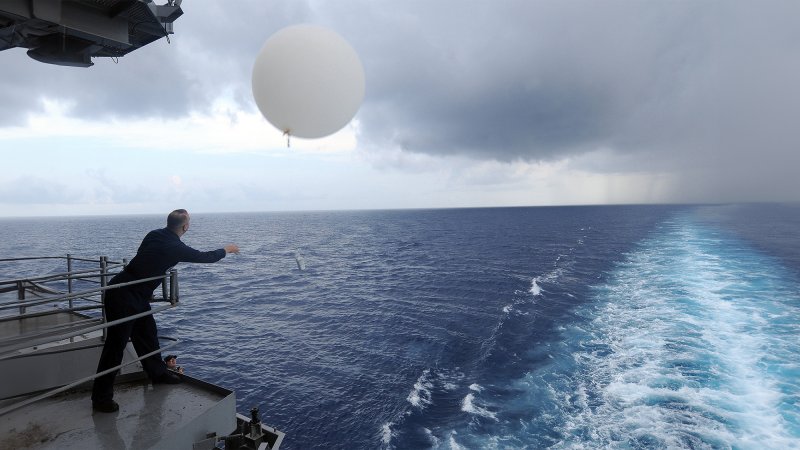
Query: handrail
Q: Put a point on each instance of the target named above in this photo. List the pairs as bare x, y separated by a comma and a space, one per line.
25, 303
42, 288
50, 328
29, 258
73, 295
60, 275
10, 347
49, 313
53, 392
35, 342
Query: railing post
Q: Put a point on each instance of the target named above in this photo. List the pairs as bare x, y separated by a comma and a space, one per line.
173, 286
69, 285
69, 277
21, 295
103, 283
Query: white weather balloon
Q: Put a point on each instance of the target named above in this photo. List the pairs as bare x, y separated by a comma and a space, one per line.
307, 81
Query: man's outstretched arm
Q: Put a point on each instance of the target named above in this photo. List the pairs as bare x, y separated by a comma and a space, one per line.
188, 254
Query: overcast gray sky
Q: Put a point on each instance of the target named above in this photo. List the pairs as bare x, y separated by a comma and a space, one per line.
487, 103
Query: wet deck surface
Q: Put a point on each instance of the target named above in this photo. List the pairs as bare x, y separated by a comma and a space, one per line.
147, 414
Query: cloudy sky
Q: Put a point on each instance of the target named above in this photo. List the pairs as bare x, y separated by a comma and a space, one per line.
485, 103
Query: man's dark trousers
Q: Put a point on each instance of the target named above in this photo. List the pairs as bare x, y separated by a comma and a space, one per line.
120, 303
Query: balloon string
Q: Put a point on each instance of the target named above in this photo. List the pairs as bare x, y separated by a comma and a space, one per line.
286, 133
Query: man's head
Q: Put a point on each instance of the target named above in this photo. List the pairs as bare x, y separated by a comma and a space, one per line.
178, 221
171, 360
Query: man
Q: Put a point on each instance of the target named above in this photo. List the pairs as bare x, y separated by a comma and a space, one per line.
172, 363
160, 250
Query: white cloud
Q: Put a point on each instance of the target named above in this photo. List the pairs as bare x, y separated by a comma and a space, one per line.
224, 129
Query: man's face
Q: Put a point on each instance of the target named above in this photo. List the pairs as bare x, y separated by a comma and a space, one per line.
186, 225
171, 363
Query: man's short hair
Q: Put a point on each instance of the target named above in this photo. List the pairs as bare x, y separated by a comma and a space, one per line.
169, 357
176, 219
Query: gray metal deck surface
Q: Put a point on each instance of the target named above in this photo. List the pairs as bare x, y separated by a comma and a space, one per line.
16, 328
160, 416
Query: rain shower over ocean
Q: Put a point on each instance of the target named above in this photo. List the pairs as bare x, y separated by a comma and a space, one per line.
559, 327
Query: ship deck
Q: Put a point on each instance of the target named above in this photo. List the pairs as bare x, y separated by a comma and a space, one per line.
160, 416
50, 343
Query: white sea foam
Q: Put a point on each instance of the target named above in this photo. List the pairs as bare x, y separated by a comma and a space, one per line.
420, 395
549, 277
453, 444
475, 387
431, 381
693, 344
386, 433
432, 438
469, 405
507, 309
535, 289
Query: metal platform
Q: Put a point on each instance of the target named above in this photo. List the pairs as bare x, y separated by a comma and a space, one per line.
157, 417
50, 342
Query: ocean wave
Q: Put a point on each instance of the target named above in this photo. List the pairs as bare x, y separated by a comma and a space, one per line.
562, 264
470, 405
386, 433
420, 395
434, 441
453, 444
535, 289
691, 357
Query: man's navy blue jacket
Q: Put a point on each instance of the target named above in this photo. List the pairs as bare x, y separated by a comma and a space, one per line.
159, 251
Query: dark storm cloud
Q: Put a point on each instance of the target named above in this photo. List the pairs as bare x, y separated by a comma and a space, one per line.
494, 83
513, 123
707, 91
534, 80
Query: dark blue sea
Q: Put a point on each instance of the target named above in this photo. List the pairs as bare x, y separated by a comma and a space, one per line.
630, 327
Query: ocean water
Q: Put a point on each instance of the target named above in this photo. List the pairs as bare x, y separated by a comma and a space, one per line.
630, 327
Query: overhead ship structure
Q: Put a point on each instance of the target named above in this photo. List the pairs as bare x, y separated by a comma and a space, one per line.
72, 32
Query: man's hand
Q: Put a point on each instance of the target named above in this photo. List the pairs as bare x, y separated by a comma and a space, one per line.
232, 248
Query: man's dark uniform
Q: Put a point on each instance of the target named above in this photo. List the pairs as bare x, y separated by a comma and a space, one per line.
160, 250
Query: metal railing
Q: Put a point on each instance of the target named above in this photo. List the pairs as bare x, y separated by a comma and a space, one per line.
74, 302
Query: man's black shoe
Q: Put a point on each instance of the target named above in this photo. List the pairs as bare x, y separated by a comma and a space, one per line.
107, 406
167, 377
